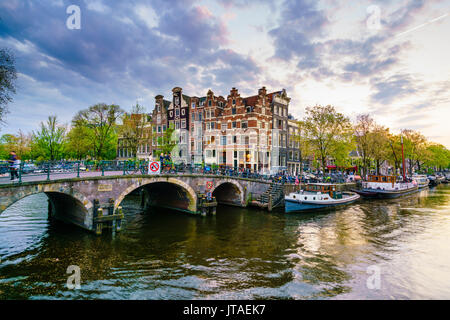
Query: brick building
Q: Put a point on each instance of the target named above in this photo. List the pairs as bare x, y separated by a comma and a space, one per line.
241, 132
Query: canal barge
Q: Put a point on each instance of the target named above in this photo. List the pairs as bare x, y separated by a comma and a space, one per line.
386, 187
421, 180
318, 196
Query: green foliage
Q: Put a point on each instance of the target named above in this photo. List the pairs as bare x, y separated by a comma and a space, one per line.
79, 141
167, 142
8, 76
327, 133
134, 129
100, 120
48, 142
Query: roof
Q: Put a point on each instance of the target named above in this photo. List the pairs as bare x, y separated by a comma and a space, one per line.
166, 104
250, 101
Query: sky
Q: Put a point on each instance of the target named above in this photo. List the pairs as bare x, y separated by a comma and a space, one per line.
385, 58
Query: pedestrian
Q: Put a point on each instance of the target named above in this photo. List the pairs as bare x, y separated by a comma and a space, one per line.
14, 164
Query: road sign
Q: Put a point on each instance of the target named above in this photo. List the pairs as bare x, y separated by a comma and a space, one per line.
209, 185
154, 167
209, 196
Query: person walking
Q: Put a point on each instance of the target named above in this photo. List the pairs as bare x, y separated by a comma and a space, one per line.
14, 162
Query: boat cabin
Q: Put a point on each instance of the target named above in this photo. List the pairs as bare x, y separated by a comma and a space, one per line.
381, 179
324, 188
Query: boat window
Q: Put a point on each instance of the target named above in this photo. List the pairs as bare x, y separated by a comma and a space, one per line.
314, 198
294, 197
306, 198
384, 179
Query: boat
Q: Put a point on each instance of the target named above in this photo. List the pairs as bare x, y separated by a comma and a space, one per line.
422, 180
378, 186
433, 180
318, 196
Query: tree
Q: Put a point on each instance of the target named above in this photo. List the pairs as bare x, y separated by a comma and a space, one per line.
101, 120
166, 142
79, 141
379, 145
439, 157
326, 131
414, 144
48, 142
134, 130
362, 130
8, 76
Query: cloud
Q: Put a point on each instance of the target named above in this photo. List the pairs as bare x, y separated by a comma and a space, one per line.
392, 88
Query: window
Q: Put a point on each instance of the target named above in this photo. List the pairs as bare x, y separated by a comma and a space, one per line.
235, 154
158, 108
233, 110
177, 125
210, 103
234, 139
177, 112
208, 153
212, 125
200, 116
183, 112
171, 113
234, 102
193, 105
159, 128
224, 140
164, 127
183, 123
244, 124
233, 124
214, 153
193, 116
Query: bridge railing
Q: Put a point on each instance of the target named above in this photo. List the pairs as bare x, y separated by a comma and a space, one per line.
51, 170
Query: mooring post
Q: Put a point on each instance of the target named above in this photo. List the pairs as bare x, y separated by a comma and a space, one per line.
48, 171
111, 212
269, 206
99, 227
78, 169
119, 221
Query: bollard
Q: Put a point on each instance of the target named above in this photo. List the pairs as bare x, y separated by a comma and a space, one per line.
48, 171
103, 169
78, 169
123, 167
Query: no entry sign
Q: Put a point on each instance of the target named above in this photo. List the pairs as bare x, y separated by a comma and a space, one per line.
209, 185
154, 167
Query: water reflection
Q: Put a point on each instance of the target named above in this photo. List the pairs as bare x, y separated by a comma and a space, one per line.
238, 254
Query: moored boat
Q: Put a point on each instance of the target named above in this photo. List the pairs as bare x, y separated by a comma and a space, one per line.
318, 196
422, 180
386, 187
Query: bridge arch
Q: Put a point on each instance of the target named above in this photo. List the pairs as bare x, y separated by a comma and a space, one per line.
143, 182
26, 191
229, 192
65, 204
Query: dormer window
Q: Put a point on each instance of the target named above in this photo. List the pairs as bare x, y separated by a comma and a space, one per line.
210, 103
234, 102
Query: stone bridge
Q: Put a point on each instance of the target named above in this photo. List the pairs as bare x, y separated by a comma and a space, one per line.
95, 202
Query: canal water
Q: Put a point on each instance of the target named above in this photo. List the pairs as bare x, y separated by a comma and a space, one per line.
385, 249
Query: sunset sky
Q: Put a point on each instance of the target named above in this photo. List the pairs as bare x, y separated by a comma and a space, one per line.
322, 52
